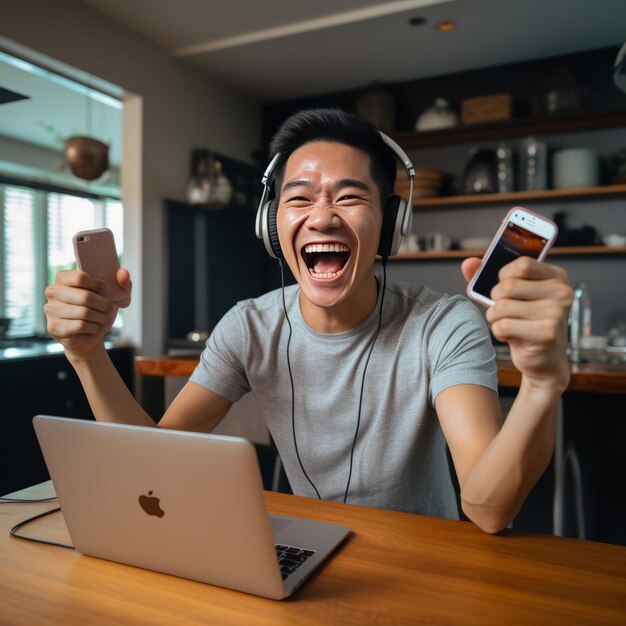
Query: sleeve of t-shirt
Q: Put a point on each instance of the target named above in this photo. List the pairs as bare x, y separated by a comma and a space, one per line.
220, 368
459, 348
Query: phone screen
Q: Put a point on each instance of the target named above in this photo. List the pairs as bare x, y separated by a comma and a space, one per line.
514, 242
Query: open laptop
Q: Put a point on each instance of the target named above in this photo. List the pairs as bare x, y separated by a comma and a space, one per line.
182, 503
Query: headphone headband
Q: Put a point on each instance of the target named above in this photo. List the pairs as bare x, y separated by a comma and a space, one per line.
401, 155
265, 223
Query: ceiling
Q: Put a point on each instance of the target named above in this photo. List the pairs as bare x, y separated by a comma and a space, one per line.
274, 50
281, 49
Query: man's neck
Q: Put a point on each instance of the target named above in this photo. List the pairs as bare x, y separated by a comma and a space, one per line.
343, 316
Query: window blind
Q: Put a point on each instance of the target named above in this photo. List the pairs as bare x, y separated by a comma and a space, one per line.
19, 259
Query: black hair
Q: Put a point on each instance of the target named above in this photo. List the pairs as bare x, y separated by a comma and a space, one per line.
335, 125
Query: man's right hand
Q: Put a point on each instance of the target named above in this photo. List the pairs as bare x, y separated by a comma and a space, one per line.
78, 315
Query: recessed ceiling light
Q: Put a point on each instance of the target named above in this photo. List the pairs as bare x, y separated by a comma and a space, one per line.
417, 21
446, 26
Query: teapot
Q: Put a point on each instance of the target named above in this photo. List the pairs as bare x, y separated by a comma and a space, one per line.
480, 175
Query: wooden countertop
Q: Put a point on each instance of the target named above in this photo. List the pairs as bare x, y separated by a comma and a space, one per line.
589, 377
165, 365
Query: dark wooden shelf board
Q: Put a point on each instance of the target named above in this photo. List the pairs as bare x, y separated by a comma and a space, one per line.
471, 133
463, 254
573, 193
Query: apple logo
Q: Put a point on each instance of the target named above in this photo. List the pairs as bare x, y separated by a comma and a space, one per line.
150, 505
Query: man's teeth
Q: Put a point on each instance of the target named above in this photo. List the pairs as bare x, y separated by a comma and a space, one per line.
324, 274
326, 247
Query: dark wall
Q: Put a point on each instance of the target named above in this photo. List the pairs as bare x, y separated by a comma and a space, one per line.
527, 82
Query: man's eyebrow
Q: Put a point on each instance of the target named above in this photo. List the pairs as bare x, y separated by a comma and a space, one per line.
351, 182
295, 183
340, 184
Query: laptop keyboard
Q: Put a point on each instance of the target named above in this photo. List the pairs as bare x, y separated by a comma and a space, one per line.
291, 558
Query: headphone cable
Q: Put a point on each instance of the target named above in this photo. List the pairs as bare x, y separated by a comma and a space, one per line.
293, 413
293, 393
358, 420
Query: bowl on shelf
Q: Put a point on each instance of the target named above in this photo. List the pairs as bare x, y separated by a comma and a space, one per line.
614, 240
427, 183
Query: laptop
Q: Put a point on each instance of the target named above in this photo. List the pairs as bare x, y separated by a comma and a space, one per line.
182, 503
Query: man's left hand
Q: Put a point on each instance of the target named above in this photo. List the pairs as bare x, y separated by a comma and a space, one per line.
532, 301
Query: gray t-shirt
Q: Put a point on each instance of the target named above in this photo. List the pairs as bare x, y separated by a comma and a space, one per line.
427, 343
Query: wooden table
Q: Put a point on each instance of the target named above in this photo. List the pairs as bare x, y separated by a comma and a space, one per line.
396, 568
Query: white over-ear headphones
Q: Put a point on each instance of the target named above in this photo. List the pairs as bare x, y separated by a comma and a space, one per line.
397, 212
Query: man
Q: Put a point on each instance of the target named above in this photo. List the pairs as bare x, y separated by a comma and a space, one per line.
347, 372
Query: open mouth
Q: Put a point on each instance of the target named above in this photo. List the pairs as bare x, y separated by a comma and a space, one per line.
325, 260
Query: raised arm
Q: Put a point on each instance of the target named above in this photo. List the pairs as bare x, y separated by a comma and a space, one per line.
497, 466
78, 316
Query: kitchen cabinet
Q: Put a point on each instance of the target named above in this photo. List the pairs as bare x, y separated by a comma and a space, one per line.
41, 385
599, 123
214, 260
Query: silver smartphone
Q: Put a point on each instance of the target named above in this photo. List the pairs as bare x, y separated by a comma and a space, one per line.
96, 254
522, 233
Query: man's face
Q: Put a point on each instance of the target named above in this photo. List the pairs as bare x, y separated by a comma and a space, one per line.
329, 219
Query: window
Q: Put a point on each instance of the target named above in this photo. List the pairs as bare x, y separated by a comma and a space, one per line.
36, 229
19, 260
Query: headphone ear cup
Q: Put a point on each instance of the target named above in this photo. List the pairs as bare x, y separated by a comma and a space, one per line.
391, 227
273, 242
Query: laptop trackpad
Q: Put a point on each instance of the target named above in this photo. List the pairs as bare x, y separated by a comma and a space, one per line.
279, 523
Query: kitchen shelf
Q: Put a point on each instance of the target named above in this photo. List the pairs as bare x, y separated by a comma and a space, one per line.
471, 133
574, 193
463, 254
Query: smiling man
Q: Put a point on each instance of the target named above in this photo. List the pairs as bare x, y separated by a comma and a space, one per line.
330, 210
362, 382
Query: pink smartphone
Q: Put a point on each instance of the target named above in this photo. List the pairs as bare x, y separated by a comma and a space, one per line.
96, 254
522, 233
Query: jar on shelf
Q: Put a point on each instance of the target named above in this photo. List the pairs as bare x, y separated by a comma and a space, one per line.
534, 164
504, 160
575, 167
